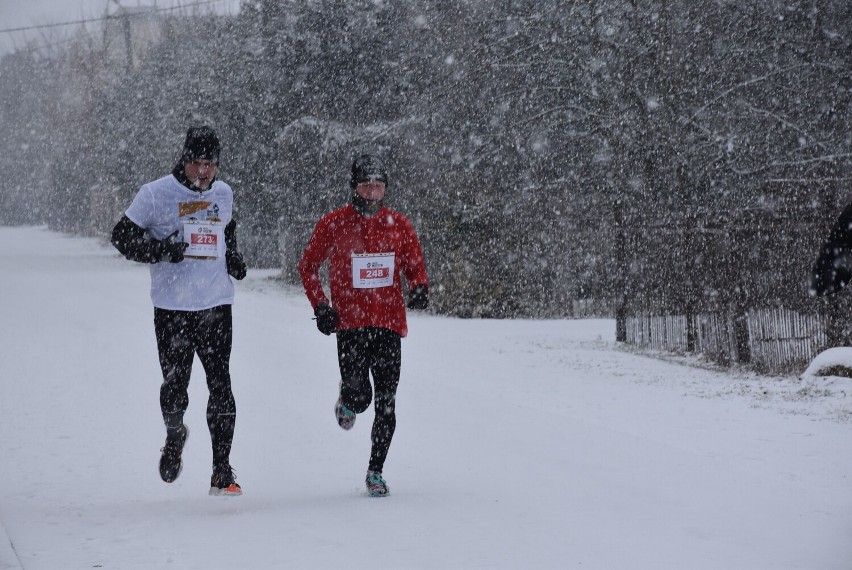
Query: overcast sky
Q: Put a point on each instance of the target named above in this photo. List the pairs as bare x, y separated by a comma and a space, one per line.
29, 13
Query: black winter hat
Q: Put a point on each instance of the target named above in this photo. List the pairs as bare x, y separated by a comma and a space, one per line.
367, 167
200, 143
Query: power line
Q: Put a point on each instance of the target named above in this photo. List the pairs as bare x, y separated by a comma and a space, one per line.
8, 30
104, 18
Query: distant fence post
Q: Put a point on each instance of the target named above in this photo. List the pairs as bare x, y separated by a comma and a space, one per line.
739, 303
690, 331
741, 336
621, 272
689, 246
620, 323
835, 323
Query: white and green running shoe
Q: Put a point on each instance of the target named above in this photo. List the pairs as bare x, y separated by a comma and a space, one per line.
376, 485
345, 416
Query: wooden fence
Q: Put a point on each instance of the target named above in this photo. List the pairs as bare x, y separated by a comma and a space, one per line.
779, 340
782, 340
654, 332
715, 337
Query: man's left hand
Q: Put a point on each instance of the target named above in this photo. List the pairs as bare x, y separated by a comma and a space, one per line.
418, 298
236, 265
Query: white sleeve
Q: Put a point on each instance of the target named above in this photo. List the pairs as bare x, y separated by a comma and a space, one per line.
141, 210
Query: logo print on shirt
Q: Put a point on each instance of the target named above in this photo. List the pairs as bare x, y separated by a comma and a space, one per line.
187, 208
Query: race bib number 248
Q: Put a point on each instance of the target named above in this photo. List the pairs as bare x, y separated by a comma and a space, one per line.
372, 270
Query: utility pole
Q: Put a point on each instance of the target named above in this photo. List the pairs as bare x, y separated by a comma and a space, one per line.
125, 26
125, 174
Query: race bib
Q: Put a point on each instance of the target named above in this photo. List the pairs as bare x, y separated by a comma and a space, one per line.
372, 270
206, 240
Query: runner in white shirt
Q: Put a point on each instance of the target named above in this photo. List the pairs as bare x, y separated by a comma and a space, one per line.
182, 225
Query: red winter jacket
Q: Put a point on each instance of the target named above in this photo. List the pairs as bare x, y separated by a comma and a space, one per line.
368, 255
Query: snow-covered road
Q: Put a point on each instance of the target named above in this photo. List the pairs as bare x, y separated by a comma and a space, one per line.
520, 444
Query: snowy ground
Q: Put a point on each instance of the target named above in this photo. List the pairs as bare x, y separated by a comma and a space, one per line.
520, 444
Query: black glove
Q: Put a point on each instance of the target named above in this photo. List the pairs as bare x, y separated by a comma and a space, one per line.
236, 265
136, 244
418, 298
169, 249
327, 319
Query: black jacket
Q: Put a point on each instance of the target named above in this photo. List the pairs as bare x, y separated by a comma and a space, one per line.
833, 267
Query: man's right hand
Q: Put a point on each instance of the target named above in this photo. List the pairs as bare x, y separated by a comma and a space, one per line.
327, 318
170, 249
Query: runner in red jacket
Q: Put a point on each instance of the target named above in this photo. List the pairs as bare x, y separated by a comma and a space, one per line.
369, 249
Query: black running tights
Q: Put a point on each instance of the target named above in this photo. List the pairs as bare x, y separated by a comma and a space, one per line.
361, 352
209, 334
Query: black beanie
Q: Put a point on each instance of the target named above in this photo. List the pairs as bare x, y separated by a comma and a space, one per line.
367, 167
201, 143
